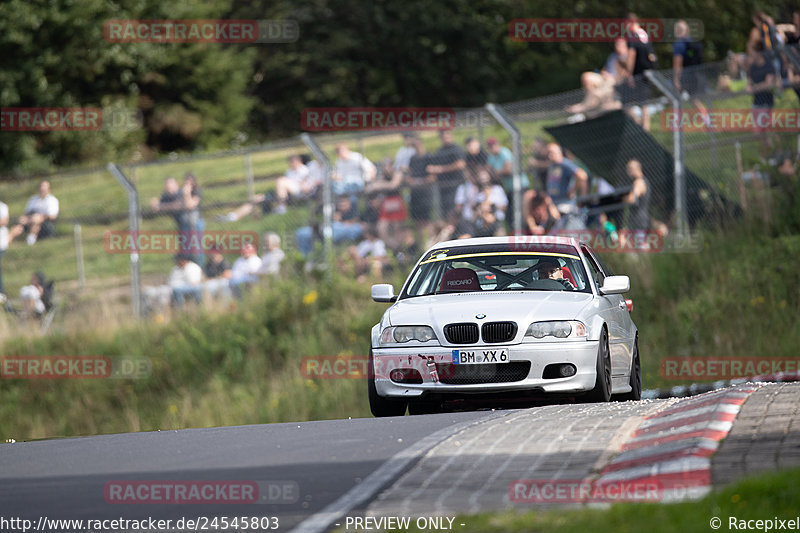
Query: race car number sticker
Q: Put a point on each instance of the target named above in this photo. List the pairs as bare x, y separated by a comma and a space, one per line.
479, 357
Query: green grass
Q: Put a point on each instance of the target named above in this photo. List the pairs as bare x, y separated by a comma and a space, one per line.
768, 496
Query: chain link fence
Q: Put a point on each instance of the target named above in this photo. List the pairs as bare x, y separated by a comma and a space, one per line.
368, 202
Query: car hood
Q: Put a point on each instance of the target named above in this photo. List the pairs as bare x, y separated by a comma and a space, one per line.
522, 307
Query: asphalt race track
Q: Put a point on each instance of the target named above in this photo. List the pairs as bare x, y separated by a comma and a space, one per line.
314, 475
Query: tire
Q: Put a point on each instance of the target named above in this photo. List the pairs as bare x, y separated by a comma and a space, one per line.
636, 376
380, 406
602, 384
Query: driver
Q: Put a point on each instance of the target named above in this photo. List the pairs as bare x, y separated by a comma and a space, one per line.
550, 269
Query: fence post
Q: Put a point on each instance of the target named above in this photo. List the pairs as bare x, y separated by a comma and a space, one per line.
248, 174
78, 234
133, 226
516, 163
668, 90
327, 196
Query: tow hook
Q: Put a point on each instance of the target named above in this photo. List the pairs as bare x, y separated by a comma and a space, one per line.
431, 364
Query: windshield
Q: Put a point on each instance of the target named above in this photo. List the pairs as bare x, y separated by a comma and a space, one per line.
449, 271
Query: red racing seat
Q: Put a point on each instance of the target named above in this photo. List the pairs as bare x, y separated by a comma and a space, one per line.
459, 280
568, 276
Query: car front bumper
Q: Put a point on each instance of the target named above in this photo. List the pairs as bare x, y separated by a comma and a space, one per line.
582, 354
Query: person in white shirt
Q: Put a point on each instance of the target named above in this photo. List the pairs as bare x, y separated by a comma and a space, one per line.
352, 171
295, 183
40, 212
244, 269
186, 280
404, 154
271, 260
3, 245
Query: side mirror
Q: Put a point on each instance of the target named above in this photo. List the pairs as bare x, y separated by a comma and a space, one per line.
616, 285
383, 292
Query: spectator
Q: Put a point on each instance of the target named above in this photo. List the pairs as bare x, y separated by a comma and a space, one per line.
599, 87
3, 246
352, 171
346, 226
407, 251
538, 163
500, 161
369, 256
404, 154
386, 201
421, 184
447, 164
686, 52
36, 296
185, 280
300, 180
217, 272
465, 201
539, 219
641, 56
170, 200
191, 197
765, 33
40, 213
296, 183
760, 81
245, 269
564, 178
491, 205
638, 198
476, 158
273, 256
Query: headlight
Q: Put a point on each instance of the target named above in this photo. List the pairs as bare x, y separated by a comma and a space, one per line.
561, 329
401, 334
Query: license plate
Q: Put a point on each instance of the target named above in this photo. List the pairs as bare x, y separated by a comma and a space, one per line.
480, 357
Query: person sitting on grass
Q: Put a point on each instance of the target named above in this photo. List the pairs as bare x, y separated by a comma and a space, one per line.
36, 297
245, 269
217, 271
40, 212
272, 258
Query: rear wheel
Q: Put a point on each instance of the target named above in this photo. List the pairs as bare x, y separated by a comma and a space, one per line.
602, 384
636, 376
379, 405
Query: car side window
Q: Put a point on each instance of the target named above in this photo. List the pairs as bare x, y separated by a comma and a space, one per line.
595, 271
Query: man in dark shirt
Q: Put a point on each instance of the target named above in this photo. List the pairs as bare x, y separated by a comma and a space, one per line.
760, 80
476, 157
420, 183
641, 57
217, 271
448, 164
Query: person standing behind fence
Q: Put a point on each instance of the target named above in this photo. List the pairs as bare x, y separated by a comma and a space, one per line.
760, 82
686, 52
639, 197
641, 57
352, 171
447, 164
564, 178
421, 184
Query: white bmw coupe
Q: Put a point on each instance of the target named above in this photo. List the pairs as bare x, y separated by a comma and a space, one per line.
503, 317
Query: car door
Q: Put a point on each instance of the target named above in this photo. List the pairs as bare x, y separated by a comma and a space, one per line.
614, 312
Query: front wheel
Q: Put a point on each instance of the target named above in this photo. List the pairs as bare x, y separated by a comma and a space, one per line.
380, 406
602, 384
